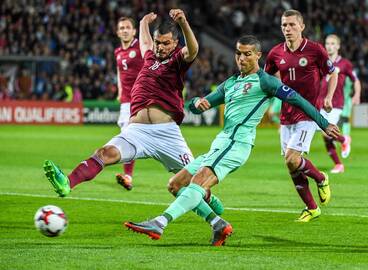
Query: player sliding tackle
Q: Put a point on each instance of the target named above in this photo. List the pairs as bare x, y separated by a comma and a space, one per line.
246, 96
156, 111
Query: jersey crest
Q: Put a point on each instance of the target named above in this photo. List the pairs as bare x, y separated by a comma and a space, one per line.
246, 88
303, 62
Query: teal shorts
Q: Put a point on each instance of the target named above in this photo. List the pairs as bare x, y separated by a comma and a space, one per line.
224, 157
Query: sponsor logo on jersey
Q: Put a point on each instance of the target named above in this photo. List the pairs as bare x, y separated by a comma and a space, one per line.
303, 62
282, 61
155, 65
132, 54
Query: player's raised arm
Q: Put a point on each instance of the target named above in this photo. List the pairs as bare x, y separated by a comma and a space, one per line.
145, 39
198, 105
190, 50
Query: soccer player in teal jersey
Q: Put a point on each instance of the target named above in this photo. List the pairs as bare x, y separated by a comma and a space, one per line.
246, 97
350, 98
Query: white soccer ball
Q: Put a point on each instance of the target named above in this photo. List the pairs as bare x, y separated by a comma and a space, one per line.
50, 220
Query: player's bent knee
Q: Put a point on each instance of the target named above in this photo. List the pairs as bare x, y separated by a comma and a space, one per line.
108, 154
292, 160
179, 180
205, 178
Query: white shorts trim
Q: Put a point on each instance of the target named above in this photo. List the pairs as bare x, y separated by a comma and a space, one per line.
163, 142
297, 136
124, 115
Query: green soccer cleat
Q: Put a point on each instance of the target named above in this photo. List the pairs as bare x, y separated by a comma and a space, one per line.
221, 230
152, 228
57, 178
309, 214
324, 192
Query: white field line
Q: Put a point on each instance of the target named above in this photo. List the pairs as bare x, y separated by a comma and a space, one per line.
166, 204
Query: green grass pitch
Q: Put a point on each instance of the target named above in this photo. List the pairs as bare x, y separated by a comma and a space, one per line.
260, 202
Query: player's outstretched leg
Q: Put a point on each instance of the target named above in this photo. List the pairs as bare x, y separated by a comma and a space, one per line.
153, 228
215, 203
57, 178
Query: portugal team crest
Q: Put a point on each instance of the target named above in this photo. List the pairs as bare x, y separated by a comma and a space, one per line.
303, 62
132, 54
246, 88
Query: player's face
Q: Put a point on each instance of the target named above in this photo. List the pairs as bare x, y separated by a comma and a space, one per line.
246, 57
332, 46
292, 28
125, 31
163, 45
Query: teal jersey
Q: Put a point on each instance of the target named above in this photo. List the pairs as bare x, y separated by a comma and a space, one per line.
246, 100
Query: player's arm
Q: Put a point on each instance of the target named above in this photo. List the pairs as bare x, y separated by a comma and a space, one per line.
289, 95
198, 105
274, 87
331, 87
357, 91
145, 38
120, 90
190, 50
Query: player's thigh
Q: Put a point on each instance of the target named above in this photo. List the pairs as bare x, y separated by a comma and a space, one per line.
301, 136
124, 115
226, 156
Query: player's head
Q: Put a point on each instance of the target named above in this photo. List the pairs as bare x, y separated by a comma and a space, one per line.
292, 25
247, 53
125, 29
332, 44
165, 40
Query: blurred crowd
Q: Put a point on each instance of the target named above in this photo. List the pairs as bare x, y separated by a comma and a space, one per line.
81, 35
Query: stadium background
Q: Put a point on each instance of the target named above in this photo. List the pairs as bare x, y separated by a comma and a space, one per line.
62, 51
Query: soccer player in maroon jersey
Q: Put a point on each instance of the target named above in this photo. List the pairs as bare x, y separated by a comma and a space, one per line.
156, 107
128, 64
300, 63
344, 68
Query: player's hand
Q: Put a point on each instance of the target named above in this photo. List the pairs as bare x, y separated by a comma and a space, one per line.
202, 104
327, 104
178, 16
149, 18
332, 131
356, 100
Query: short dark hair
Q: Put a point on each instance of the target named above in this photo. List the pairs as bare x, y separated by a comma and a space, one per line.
250, 40
132, 21
293, 12
167, 27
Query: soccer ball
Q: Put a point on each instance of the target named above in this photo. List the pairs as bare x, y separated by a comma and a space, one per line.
50, 220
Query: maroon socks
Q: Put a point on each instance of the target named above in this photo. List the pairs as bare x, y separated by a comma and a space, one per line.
86, 170
128, 168
301, 185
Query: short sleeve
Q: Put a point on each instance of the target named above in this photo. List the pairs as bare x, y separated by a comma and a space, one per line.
324, 63
350, 72
270, 66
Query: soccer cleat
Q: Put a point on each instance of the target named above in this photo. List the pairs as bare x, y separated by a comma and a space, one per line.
124, 180
57, 178
221, 230
324, 192
152, 228
339, 168
309, 214
345, 147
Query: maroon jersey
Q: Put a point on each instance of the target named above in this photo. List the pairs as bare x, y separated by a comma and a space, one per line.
129, 62
161, 84
344, 68
302, 70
